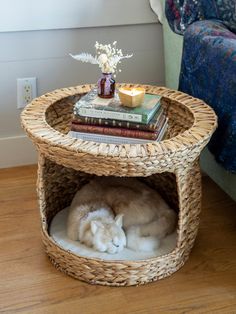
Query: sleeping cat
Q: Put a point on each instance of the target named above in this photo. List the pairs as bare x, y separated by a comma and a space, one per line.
110, 213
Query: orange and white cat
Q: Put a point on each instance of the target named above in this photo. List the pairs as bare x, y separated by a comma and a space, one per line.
110, 213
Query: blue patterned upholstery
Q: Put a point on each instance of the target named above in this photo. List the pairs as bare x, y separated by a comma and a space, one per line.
226, 10
208, 69
182, 13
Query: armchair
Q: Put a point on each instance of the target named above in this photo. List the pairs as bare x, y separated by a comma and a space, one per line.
208, 71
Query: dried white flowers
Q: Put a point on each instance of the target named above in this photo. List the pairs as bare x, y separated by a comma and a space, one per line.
107, 57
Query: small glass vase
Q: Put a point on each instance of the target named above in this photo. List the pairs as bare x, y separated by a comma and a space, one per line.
106, 86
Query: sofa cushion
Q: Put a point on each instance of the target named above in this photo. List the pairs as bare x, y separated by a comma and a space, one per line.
181, 13
208, 72
226, 10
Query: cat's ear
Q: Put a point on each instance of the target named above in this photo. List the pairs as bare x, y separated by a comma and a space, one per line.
119, 220
95, 225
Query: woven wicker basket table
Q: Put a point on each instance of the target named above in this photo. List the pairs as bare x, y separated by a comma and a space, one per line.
170, 166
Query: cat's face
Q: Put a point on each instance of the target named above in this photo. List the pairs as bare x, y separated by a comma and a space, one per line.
108, 237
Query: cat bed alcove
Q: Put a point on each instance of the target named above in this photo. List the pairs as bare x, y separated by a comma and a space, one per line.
58, 231
171, 167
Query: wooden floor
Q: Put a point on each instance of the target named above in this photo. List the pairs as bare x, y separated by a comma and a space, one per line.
30, 284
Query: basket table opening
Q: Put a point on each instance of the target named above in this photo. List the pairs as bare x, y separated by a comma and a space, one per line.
180, 118
63, 183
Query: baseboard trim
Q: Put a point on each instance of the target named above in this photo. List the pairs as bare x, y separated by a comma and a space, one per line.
16, 151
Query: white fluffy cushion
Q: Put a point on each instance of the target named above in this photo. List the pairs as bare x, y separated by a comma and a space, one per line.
58, 233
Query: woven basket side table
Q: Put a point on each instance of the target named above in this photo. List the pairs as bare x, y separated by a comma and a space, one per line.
171, 166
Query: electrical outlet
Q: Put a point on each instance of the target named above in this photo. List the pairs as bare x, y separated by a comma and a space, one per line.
26, 91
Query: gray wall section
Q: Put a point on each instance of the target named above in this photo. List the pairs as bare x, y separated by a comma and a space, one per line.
44, 54
27, 15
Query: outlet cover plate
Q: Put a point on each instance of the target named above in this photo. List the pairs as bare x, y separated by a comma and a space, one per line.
26, 91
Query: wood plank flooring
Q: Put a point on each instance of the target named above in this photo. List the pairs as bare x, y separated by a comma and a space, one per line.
30, 284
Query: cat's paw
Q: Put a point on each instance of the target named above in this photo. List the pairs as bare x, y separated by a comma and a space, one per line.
140, 243
133, 230
148, 244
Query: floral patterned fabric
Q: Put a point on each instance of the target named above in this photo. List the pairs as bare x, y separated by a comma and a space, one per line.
181, 13
208, 72
227, 13
209, 64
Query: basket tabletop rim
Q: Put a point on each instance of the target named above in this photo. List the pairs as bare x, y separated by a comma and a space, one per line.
34, 123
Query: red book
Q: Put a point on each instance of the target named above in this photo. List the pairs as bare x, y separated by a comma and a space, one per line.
85, 128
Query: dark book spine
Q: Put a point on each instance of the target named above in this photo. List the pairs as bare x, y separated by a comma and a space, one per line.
114, 131
152, 126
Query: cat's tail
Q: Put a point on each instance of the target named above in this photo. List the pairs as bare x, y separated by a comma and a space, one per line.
139, 243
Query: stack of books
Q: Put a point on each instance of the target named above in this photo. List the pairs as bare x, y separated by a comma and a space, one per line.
108, 121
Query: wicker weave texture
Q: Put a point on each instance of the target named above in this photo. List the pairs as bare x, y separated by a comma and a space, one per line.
192, 122
171, 167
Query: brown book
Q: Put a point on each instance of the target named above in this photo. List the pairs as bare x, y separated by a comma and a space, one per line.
85, 128
152, 126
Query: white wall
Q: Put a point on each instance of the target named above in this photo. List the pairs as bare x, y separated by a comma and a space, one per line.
44, 54
23, 15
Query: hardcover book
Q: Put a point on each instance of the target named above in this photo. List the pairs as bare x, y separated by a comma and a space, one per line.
85, 128
109, 139
152, 126
92, 106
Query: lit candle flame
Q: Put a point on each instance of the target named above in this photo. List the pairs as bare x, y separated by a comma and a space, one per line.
133, 90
